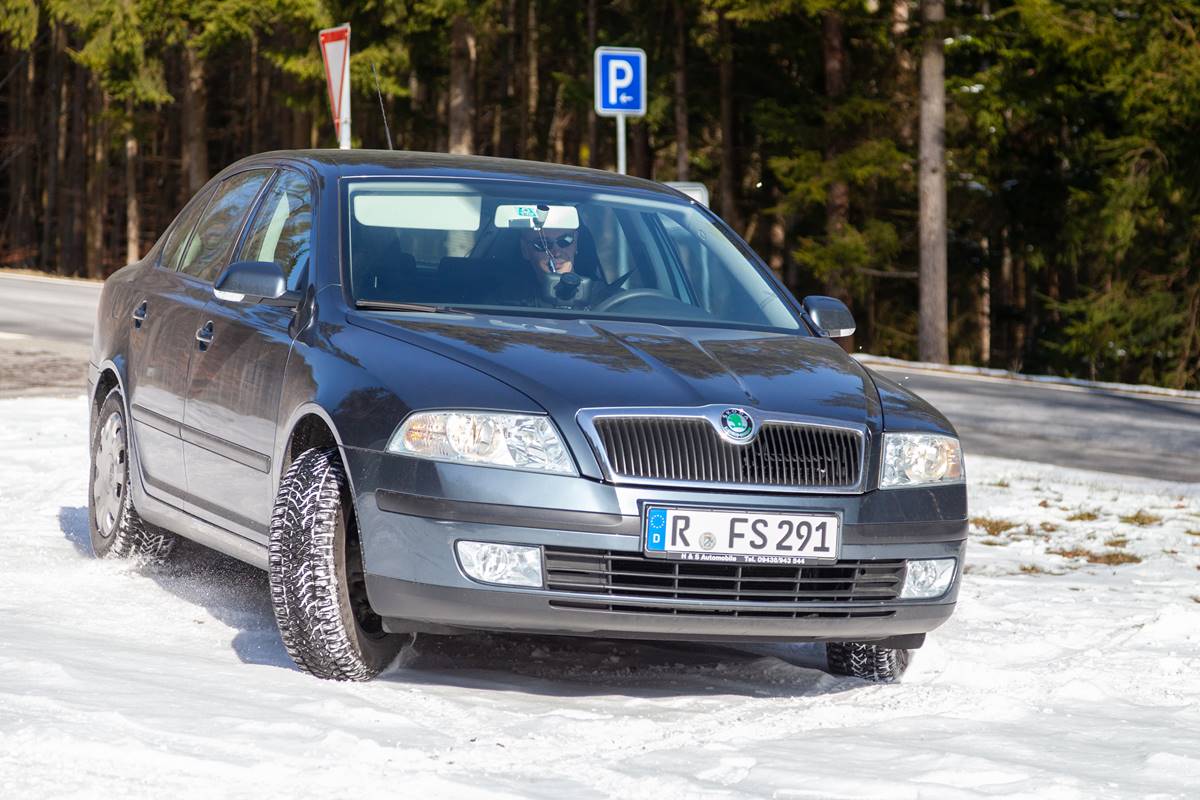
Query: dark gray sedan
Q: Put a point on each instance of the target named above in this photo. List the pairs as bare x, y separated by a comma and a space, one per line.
432, 394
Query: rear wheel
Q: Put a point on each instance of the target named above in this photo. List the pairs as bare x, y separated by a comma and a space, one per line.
318, 586
114, 526
867, 661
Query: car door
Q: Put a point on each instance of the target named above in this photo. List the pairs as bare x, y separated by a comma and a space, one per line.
233, 394
165, 309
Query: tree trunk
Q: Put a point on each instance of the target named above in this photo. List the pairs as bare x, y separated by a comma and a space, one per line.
97, 184
22, 242
727, 185
559, 124
642, 161
593, 130
833, 51
133, 216
837, 195
71, 205
532, 140
984, 314
681, 107
194, 138
932, 337
55, 138
462, 85
905, 72
1181, 372
255, 111
505, 135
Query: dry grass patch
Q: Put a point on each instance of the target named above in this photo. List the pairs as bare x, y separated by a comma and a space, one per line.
1192, 533
994, 527
1114, 557
1141, 518
1083, 516
1034, 569
1111, 558
1000, 484
1044, 504
1117, 541
1049, 527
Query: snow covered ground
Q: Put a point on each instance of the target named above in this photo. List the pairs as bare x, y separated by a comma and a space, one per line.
1056, 677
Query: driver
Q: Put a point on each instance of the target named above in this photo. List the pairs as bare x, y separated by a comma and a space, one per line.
550, 249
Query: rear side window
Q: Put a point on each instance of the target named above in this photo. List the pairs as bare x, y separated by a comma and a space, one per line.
282, 228
182, 231
218, 228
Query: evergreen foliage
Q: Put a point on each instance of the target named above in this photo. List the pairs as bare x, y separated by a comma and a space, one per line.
1072, 169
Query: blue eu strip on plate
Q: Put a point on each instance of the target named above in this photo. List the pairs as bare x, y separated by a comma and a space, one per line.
656, 529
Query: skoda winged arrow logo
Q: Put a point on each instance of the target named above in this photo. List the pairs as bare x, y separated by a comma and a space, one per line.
737, 424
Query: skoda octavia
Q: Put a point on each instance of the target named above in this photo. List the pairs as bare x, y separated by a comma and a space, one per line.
432, 394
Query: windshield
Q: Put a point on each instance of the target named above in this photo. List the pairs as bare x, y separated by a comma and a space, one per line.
562, 250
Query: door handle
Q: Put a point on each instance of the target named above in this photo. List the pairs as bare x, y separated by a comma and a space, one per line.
204, 336
139, 315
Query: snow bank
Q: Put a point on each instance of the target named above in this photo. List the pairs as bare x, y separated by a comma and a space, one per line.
989, 372
1056, 677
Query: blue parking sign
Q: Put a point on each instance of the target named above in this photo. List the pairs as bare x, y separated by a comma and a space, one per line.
620, 74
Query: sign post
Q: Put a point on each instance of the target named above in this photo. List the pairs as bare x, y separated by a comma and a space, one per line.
620, 89
335, 52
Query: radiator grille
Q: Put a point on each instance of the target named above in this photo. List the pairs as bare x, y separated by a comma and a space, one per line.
648, 585
690, 449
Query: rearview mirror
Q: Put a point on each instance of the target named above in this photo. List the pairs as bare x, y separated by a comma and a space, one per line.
251, 281
830, 315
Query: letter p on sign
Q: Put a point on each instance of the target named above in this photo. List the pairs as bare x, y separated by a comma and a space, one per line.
620, 75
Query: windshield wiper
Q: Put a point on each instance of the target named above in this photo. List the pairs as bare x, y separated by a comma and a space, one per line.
384, 305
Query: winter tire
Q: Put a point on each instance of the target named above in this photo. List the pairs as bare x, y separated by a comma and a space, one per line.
114, 526
867, 661
318, 587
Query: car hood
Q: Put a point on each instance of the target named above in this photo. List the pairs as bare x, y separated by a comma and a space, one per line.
566, 365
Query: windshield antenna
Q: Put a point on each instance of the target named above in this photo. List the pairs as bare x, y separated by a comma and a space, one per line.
386, 130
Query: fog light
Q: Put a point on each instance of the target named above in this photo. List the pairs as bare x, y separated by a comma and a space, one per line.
927, 578
508, 564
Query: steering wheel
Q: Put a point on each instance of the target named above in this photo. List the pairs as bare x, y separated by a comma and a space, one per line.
633, 294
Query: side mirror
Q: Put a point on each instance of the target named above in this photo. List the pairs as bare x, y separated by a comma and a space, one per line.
830, 315
251, 281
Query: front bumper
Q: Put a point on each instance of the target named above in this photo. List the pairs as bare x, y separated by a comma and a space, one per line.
414, 580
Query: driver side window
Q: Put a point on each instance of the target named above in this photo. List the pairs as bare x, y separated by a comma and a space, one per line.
205, 253
282, 228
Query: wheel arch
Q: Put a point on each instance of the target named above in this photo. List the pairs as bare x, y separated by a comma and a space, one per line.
109, 375
309, 425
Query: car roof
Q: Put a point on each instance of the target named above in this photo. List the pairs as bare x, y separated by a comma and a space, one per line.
384, 163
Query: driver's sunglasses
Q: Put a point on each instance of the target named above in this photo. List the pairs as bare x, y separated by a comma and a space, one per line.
561, 243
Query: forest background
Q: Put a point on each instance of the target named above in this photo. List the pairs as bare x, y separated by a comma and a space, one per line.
1072, 140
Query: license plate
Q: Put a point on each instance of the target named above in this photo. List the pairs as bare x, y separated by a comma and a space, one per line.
742, 536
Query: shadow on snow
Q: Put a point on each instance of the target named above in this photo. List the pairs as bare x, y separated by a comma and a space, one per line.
236, 594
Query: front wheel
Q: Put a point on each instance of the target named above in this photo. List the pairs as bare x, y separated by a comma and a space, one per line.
318, 588
867, 661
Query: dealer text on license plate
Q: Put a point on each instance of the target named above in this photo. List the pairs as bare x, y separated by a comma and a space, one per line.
694, 534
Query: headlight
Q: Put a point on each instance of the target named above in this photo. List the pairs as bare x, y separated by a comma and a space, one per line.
518, 441
918, 459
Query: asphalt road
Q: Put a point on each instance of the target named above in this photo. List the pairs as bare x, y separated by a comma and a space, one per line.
45, 308
46, 328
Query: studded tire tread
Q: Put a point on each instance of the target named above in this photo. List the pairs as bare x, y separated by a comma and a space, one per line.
310, 604
867, 661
